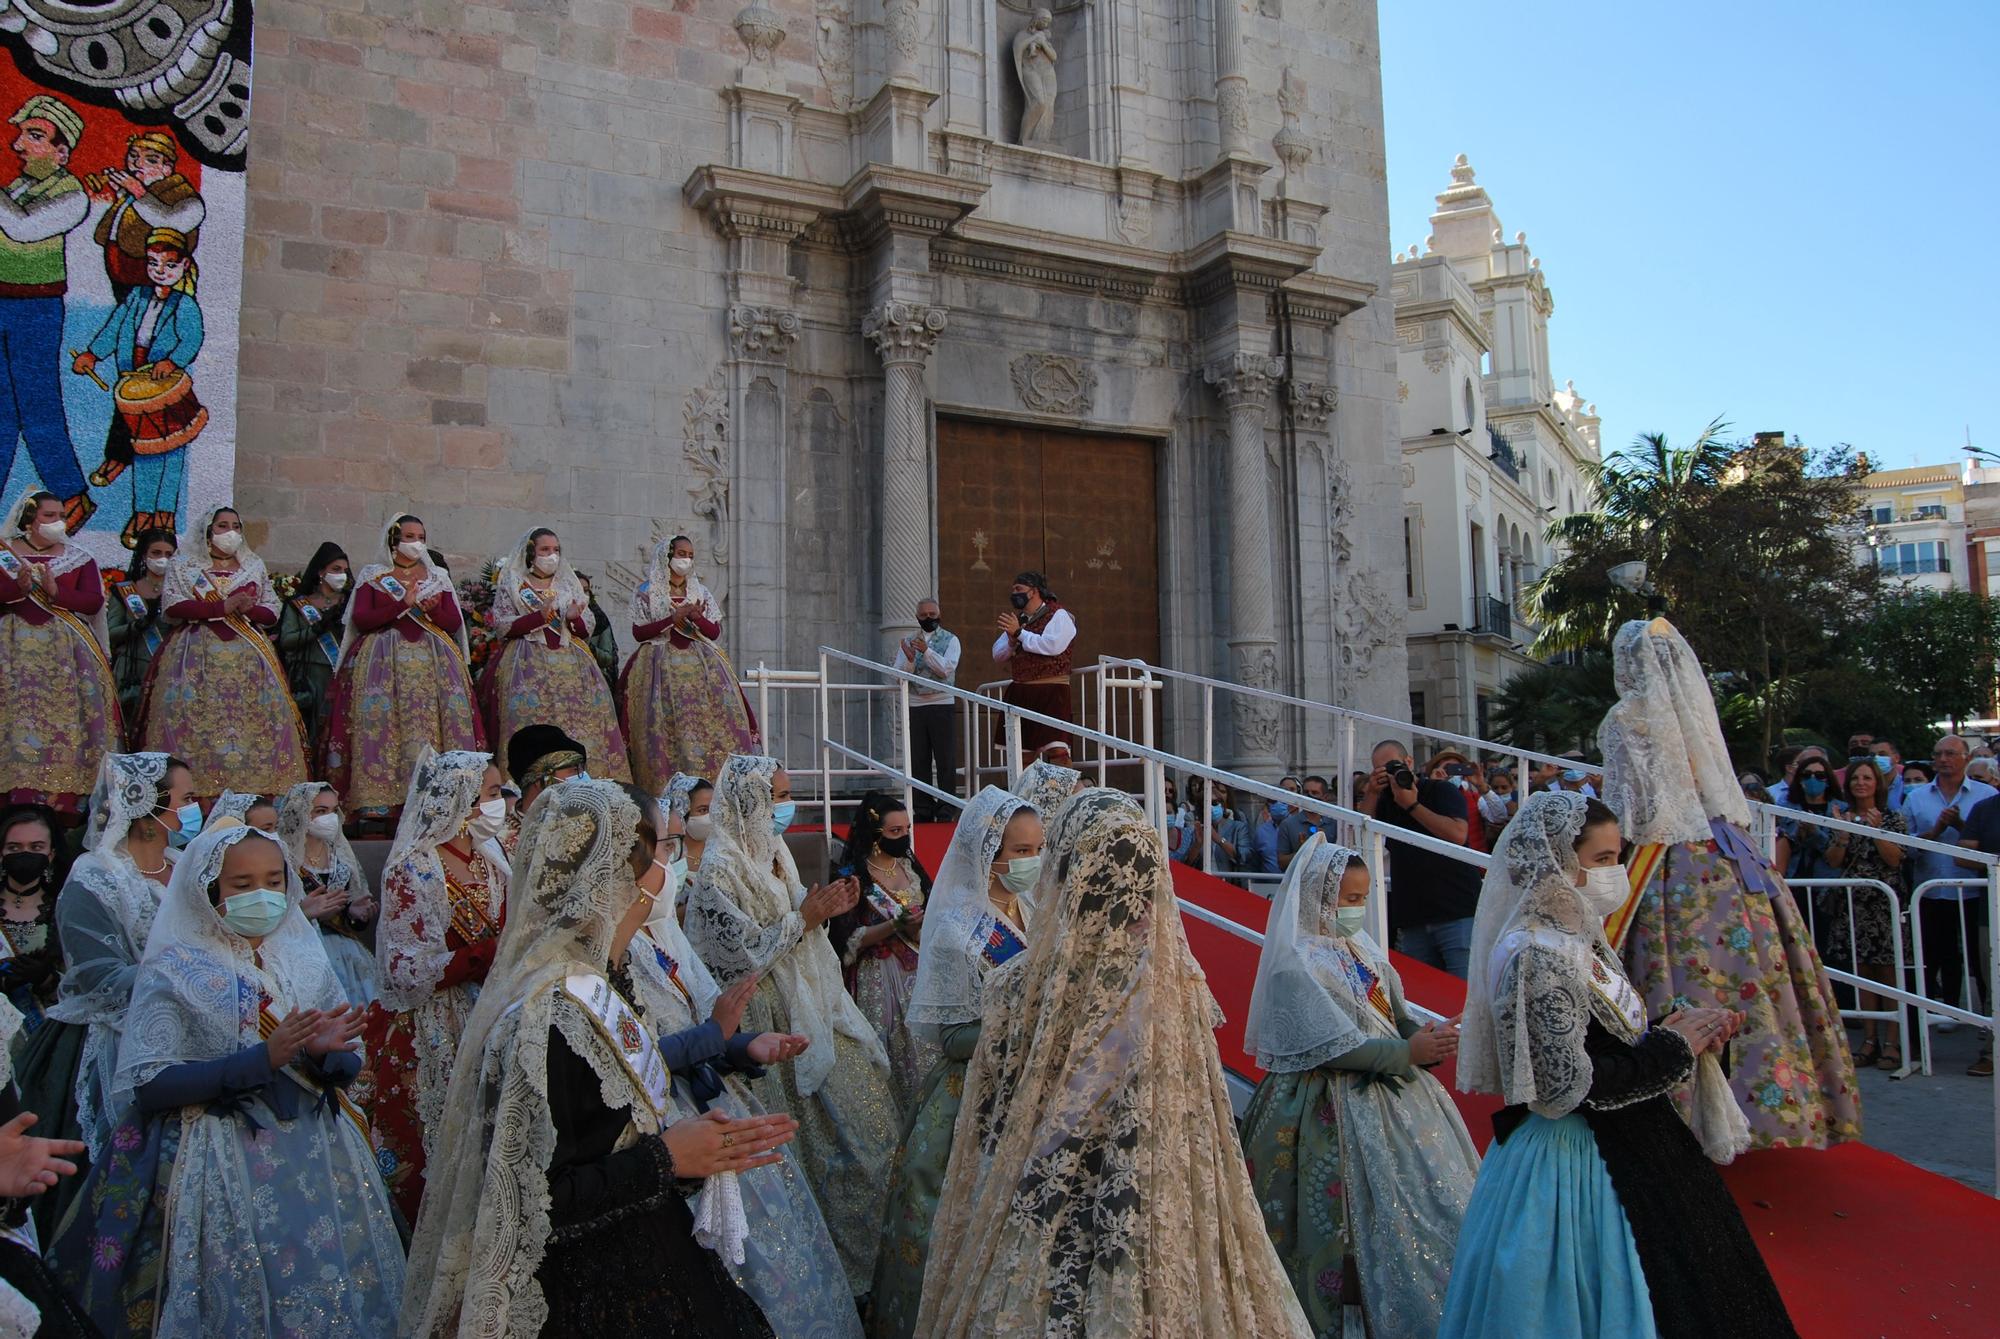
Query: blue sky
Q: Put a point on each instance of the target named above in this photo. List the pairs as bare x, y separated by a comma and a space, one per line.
1782, 213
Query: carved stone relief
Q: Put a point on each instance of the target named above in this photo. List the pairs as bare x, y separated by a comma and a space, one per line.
1256, 718
1050, 383
705, 423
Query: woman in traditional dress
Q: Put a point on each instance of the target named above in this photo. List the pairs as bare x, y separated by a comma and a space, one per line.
789, 1264
679, 700
309, 633
1358, 1156
402, 685
748, 915
1096, 1185
553, 1208
240, 1194
58, 698
141, 807
444, 892
338, 901
31, 970
133, 618
878, 940
544, 674
974, 925
1596, 1211
690, 799
216, 693
1708, 921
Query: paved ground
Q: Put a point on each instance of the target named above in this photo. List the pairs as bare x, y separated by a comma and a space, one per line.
1943, 1123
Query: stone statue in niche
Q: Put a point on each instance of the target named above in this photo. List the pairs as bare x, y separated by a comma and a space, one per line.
1035, 62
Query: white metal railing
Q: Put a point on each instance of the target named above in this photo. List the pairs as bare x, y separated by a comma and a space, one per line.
1933, 1012
1899, 1015
783, 696
1118, 701
839, 759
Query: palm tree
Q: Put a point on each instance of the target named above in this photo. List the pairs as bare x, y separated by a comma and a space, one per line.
1649, 500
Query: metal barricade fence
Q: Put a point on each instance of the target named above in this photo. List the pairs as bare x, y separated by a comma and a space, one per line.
1898, 1015
1937, 1011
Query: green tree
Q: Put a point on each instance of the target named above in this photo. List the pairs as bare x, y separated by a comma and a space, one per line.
1743, 543
1938, 647
1555, 708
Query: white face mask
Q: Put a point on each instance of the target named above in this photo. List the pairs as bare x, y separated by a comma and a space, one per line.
227, 542
486, 823
158, 566
324, 826
52, 532
699, 826
546, 564
682, 566
336, 580
1605, 888
663, 902
412, 549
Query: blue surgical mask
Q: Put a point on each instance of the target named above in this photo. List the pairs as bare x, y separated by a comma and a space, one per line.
580, 776
1882, 763
679, 869
1021, 873
1215, 813
1350, 921
1813, 786
254, 914
782, 816
1572, 776
1280, 810
189, 816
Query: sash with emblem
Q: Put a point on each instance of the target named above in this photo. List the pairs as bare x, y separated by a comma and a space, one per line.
629, 1039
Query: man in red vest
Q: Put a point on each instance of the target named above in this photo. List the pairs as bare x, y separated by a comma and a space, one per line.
1034, 642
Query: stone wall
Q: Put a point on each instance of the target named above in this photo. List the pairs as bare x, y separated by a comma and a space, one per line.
615, 267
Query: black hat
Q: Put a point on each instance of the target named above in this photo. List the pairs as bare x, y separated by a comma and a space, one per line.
535, 751
1036, 580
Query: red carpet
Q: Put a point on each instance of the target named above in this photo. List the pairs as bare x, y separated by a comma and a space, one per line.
1862, 1244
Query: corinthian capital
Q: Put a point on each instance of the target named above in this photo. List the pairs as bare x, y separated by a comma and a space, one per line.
904, 332
1313, 402
764, 334
1243, 378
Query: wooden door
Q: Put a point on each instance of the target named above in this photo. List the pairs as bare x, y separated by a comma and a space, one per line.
1078, 507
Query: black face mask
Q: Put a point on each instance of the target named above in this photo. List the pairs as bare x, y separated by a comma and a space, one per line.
25, 866
928, 624
894, 847
1019, 599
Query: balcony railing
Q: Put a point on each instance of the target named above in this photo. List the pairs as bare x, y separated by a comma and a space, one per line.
1490, 614
1503, 454
1909, 567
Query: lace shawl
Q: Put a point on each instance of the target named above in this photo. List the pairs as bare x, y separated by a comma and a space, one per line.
295, 812
1301, 1013
1666, 768
678, 797
743, 919
232, 804
200, 986
410, 950
186, 571
959, 917
485, 1224
1047, 786
72, 557
127, 789
1096, 1181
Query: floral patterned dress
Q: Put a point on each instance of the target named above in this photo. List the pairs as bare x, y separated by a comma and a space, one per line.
545, 674
1873, 928
1715, 927
678, 698
58, 698
881, 977
410, 1053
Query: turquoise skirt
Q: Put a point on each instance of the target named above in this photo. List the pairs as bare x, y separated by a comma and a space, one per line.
1545, 1249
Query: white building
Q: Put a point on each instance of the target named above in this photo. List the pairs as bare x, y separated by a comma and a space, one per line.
1491, 452
1913, 525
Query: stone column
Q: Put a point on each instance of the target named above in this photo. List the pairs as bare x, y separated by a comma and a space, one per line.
901, 22
904, 334
1232, 87
1243, 383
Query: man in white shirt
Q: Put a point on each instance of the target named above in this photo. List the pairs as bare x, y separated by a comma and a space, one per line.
1034, 645
931, 654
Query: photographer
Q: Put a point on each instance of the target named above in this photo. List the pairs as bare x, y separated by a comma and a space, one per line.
1432, 896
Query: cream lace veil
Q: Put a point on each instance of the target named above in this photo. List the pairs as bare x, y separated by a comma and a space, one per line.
747, 874
485, 1221
512, 575
196, 995
189, 566
410, 952
656, 595
952, 969
295, 811
1295, 1023
436, 581
1666, 769
1096, 1180
1047, 785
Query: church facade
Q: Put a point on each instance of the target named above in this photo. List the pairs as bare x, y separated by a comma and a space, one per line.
875, 299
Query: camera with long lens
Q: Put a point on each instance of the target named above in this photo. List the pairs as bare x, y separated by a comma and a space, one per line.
1400, 775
